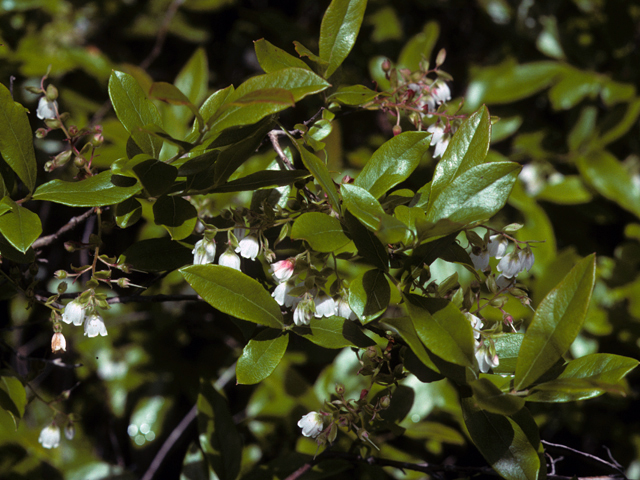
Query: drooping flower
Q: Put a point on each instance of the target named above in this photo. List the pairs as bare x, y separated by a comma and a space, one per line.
46, 108
74, 312
497, 246
283, 269
229, 259
281, 295
440, 92
249, 247
476, 324
480, 260
311, 424
325, 306
503, 282
50, 436
510, 265
344, 310
94, 326
58, 343
527, 259
486, 356
440, 138
204, 251
304, 311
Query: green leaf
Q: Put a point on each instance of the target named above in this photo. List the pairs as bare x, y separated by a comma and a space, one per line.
16, 139
569, 191
157, 255
9, 251
490, 398
176, 214
419, 47
585, 377
507, 348
134, 110
339, 30
369, 295
13, 397
321, 173
477, 194
627, 121
272, 58
573, 87
502, 442
234, 293
261, 356
406, 330
156, 176
95, 191
262, 179
355, 95
322, 232
218, 435
557, 321
468, 148
368, 245
21, 227
334, 332
393, 162
443, 329
193, 78
170, 94
305, 52
607, 175
362, 205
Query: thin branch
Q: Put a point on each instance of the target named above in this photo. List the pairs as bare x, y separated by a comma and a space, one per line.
162, 34
56, 361
70, 225
154, 298
184, 424
615, 467
285, 162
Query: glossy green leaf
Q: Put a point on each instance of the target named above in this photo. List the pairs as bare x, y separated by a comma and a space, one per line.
393, 162
502, 442
157, 255
477, 194
262, 179
392, 230
406, 330
235, 155
369, 295
13, 397
218, 435
322, 232
321, 173
443, 329
234, 293
334, 332
362, 205
507, 347
419, 47
20, 227
261, 356
607, 175
94, 191
468, 148
170, 94
353, 95
193, 78
199, 164
9, 252
585, 377
557, 321
510, 82
368, 245
213, 103
176, 214
156, 177
339, 30
16, 139
490, 398
272, 58
134, 110
305, 52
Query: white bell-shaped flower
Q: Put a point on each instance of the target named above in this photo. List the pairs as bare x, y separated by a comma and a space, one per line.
74, 312
497, 246
58, 343
46, 108
304, 311
229, 259
94, 326
249, 247
311, 424
50, 436
325, 306
204, 251
283, 269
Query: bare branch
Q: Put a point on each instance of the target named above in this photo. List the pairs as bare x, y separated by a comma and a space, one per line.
162, 34
70, 225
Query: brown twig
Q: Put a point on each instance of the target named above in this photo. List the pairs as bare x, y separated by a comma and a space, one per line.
162, 34
70, 225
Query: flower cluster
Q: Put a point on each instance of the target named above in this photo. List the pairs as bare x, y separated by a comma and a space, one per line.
510, 264
440, 136
428, 97
76, 312
248, 246
485, 353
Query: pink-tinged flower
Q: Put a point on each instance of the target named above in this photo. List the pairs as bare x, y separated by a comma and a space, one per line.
486, 356
497, 246
440, 92
229, 259
510, 265
437, 132
344, 310
204, 251
249, 247
50, 436
304, 311
476, 324
94, 326
311, 424
283, 269
74, 312
325, 306
58, 343
480, 261
46, 108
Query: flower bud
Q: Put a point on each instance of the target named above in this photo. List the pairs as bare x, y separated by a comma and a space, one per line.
62, 158
51, 93
41, 132
97, 140
69, 431
52, 123
386, 65
60, 274
442, 55
62, 287
339, 389
385, 402
73, 130
397, 130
